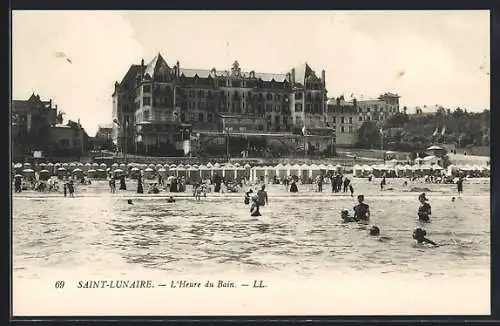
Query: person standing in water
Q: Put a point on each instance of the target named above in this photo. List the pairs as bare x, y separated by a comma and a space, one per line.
362, 210
262, 196
65, 189
460, 185
351, 189
254, 209
424, 211
382, 183
247, 196
71, 188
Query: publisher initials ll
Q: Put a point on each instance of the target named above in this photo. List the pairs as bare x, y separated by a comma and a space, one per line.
258, 284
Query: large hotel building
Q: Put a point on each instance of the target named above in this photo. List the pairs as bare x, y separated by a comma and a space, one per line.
158, 107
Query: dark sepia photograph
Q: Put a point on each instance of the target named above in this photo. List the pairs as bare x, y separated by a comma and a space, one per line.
231, 163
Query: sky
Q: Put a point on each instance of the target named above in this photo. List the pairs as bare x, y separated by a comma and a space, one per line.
427, 57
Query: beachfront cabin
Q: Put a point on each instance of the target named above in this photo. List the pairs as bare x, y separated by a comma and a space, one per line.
94, 166
270, 173
194, 175
216, 170
315, 171
281, 171
248, 168
103, 166
228, 171
50, 167
258, 173
27, 166
205, 172
304, 173
240, 173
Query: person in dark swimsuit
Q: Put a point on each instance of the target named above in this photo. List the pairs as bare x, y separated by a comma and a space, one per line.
351, 189
424, 211
362, 210
293, 187
460, 185
171, 200
420, 235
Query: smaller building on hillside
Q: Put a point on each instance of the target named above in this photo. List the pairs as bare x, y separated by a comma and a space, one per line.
68, 140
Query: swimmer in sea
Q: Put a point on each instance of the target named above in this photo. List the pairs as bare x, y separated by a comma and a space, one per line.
254, 209
129, 201
424, 211
171, 200
375, 232
362, 210
452, 199
420, 235
344, 214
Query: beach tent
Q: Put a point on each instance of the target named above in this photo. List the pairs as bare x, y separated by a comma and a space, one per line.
102, 166
149, 173
27, 165
210, 165
357, 171
77, 172
134, 172
94, 166
61, 172
270, 173
28, 173
315, 171
91, 173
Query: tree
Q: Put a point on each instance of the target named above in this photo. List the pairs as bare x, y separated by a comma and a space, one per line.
368, 135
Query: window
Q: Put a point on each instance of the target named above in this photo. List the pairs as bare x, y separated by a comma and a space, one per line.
146, 100
277, 108
277, 120
298, 96
146, 115
298, 107
360, 118
201, 117
308, 107
269, 108
334, 119
191, 94
146, 88
367, 109
191, 116
201, 94
350, 120
342, 120
209, 117
342, 129
269, 97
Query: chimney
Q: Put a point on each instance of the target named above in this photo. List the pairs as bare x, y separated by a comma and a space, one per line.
323, 77
142, 67
293, 75
178, 65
